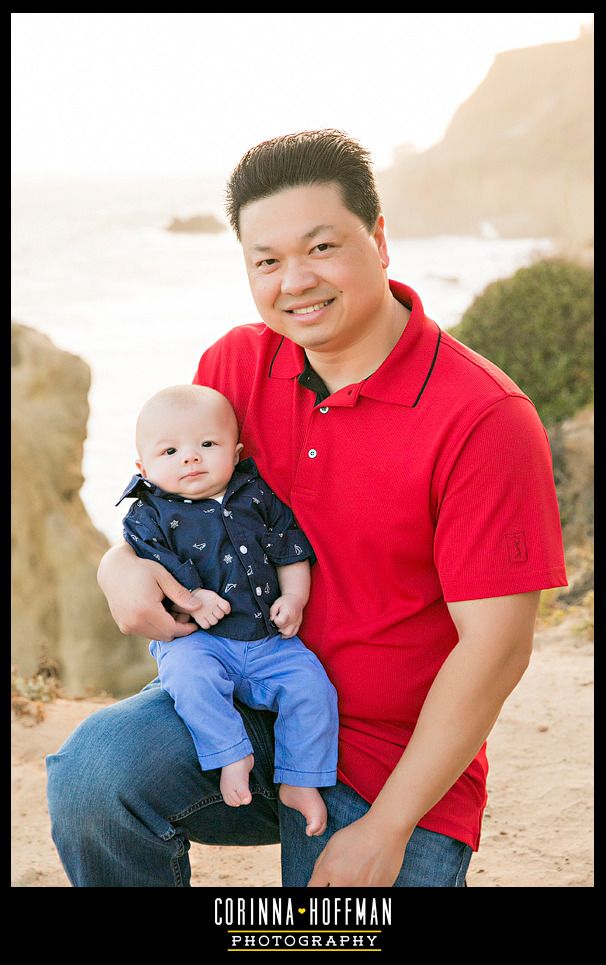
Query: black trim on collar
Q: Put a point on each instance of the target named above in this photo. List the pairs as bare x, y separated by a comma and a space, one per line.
433, 362
271, 364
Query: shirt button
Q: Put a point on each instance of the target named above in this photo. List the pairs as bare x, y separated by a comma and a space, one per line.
312, 453
243, 549
324, 408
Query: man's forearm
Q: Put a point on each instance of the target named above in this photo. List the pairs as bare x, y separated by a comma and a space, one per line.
117, 556
459, 712
136, 588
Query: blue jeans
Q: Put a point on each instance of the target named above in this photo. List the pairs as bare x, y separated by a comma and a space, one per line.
126, 796
203, 673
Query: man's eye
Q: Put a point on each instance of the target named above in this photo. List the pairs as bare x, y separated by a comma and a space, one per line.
267, 263
323, 246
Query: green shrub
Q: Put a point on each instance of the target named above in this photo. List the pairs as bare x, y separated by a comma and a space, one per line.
538, 327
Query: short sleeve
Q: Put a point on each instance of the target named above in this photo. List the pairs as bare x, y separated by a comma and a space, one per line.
284, 542
142, 532
498, 529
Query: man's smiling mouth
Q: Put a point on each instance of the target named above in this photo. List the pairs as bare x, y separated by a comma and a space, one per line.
308, 309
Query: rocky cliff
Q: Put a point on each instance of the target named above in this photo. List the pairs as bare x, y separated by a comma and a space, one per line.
517, 157
59, 615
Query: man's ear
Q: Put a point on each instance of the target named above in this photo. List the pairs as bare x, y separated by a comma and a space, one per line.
381, 241
141, 468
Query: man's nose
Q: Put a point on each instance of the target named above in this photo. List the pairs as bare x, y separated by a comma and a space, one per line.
298, 278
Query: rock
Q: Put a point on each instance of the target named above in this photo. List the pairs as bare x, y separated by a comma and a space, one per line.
517, 156
572, 448
59, 614
198, 224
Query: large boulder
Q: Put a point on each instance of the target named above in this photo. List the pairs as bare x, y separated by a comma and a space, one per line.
59, 615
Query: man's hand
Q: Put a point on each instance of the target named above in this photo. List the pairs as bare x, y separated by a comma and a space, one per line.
287, 613
135, 589
362, 855
211, 608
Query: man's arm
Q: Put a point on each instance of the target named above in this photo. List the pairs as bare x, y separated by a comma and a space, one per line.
135, 589
460, 710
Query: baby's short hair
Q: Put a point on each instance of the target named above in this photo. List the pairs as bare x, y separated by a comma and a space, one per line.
188, 395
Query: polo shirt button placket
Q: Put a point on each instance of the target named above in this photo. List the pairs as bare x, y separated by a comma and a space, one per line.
313, 456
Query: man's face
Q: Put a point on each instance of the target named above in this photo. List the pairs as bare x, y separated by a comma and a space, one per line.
316, 273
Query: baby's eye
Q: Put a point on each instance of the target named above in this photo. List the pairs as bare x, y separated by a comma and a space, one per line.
208, 443
170, 451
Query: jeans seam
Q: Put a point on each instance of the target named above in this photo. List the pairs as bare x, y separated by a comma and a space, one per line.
176, 867
215, 799
458, 875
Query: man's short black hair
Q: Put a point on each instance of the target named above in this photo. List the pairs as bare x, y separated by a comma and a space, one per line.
309, 157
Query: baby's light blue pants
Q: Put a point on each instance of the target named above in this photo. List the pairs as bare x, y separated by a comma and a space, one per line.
202, 672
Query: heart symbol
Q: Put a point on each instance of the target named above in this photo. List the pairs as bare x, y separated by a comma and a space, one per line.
301, 911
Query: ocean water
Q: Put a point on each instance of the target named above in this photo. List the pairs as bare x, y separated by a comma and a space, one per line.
94, 268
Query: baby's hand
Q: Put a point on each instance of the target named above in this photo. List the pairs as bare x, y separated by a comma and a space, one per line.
287, 614
213, 608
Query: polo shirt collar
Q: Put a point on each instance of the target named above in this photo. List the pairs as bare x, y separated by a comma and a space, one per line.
403, 375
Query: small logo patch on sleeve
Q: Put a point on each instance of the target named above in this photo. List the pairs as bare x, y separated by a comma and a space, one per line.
517, 548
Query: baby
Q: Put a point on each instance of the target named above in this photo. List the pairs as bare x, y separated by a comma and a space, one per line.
215, 524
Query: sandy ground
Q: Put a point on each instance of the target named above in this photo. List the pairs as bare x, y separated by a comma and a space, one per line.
538, 826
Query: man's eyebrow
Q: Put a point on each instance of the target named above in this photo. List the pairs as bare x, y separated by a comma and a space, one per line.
318, 229
308, 235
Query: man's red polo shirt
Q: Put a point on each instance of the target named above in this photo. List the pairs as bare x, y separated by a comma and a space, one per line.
426, 483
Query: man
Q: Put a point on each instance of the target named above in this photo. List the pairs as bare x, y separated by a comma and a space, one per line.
422, 476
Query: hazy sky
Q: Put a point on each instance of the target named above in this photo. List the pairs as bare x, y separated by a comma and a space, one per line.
180, 93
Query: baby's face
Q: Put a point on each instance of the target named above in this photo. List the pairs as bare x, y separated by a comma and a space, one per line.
189, 450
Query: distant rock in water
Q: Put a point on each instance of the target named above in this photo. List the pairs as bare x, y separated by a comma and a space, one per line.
59, 614
197, 224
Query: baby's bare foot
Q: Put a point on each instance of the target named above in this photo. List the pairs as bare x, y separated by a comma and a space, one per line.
234, 782
309, 802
